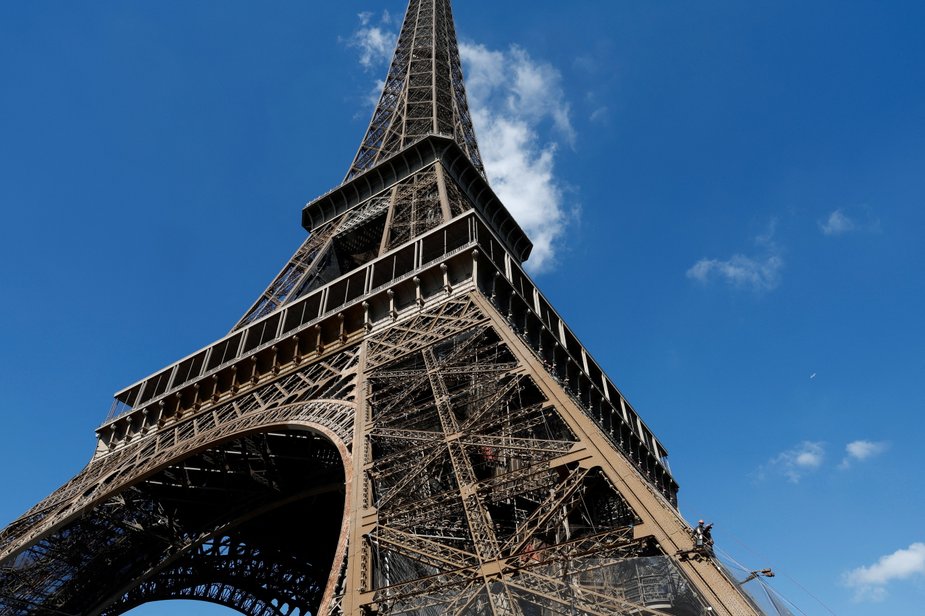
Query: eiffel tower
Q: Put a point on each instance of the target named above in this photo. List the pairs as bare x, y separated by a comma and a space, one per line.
400, 424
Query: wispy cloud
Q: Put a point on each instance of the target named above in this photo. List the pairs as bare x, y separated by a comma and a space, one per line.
512, 97
837, 223
859, 451
375, 39
600, 114
842, 221
794, 463
870, 583
810, 456
760, 272
536, 92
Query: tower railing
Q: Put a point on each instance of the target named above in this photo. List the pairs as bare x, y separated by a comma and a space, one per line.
461, 255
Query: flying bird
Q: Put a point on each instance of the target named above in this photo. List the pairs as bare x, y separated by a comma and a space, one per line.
812, 376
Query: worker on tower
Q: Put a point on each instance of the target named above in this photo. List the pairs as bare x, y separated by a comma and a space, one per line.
698, 534
703, 538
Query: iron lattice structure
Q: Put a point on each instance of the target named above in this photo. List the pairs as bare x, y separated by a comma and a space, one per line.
401, 424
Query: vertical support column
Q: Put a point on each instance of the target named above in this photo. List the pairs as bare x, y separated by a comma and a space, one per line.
435, 125
441, 185
418, 297
367, 323
446, 278
384, 243
362, 517
475, 269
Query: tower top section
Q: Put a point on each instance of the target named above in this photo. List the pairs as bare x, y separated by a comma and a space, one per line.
423, 93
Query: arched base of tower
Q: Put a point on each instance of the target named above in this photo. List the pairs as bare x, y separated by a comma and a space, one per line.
254, 523
271, 505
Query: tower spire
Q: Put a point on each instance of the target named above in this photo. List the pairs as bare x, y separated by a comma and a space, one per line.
423, 93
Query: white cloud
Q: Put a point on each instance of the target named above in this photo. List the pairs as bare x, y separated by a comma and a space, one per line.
741, 271
375, 93
797, 462
841, 221
511, 96
375, 41
511, 83
859, 451
758, 273
522, 174
869, 583
600, 114
837, 224
513, 100
536, 92
485, 70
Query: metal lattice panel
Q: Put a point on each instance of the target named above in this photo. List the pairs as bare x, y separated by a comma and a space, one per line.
291, 277
479, 509
423, 93
409, 209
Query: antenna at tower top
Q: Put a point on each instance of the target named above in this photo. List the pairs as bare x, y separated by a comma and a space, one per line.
424, 92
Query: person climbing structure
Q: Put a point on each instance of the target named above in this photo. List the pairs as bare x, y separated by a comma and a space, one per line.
703, 538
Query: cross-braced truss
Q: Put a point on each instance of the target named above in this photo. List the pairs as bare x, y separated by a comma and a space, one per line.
480, 507
384, 222
423, 93
292, 277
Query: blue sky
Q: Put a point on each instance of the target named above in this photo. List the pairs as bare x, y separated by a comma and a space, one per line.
729, 196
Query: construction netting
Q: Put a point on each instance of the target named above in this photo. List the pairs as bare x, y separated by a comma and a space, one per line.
652, 582
756, 587
643, 585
